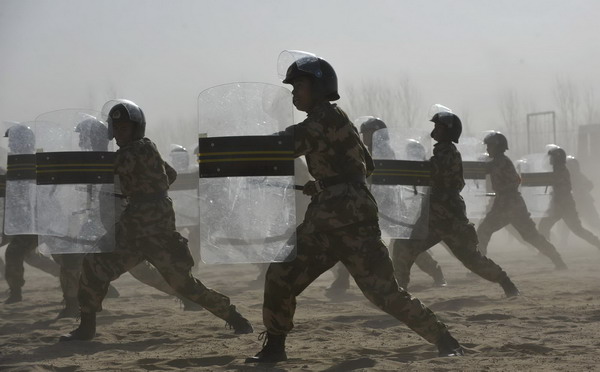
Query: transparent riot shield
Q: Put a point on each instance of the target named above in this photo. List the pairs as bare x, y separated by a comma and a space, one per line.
536, 176
184, 191
246, 198
75, 183
400, 184
19, 211
477, 192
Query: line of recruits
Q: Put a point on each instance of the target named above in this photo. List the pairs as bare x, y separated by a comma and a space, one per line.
341, 223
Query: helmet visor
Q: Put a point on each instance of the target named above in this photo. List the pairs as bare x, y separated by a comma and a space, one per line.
305, 62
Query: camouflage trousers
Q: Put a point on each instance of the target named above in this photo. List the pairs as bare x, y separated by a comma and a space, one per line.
170, 255
22, 248
567, 212
424, 261
70, 271
460, 237
360, 249
511, 209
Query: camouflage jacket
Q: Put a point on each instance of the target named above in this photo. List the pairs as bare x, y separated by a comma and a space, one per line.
332, 147
143, 172
504, 176
446, 183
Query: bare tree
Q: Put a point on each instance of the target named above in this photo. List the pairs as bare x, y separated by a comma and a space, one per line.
590, 112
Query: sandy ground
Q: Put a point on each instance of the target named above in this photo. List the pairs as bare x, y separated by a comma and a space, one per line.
554, 325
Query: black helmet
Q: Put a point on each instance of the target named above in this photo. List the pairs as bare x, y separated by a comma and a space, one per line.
93, 134
557, 155
21, 139
415, 150
450, 121
372, 124
124, 110
319, 70
496, 139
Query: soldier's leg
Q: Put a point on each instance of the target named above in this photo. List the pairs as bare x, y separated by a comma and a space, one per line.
15, 254
462, 241
572, 220
171, 256
546, 223
286, 280
523, 223
431, 267
98, 270
405, 252
367, 259
149, 275
70, 270
39, 261
493, 221
1, 268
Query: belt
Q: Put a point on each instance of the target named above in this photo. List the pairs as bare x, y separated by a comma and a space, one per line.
142, 198
324, 183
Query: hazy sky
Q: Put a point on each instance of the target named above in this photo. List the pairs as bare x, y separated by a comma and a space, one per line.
161, 54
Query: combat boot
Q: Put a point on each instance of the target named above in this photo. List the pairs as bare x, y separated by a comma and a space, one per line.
448, 346
560, 265
438, 278
239, 324
86, 330
273, 350
510, 289
71, 309
14, 295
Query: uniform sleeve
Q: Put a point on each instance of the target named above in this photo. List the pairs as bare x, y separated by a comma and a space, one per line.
125, 162
171, 173
308, 137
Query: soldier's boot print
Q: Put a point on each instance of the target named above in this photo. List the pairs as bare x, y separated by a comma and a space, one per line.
239, 324
448, 346
14, 295
71, 309
273, 350
86, 330
510, 289
112, 292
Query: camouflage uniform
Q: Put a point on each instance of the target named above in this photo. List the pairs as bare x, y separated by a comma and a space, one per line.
340, 224
509, 208
562, 206
447, 221
22, 248
146, 231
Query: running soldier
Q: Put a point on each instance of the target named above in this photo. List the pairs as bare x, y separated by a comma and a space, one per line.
341, 222
447, 212
562, 204
93, 136
415, 151
145, 229
509, 206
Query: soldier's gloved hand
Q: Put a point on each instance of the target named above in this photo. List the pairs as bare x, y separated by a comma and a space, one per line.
310, 188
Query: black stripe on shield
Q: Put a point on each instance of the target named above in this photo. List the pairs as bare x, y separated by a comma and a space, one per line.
20, 167
401, 172
246, 156
76, 167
